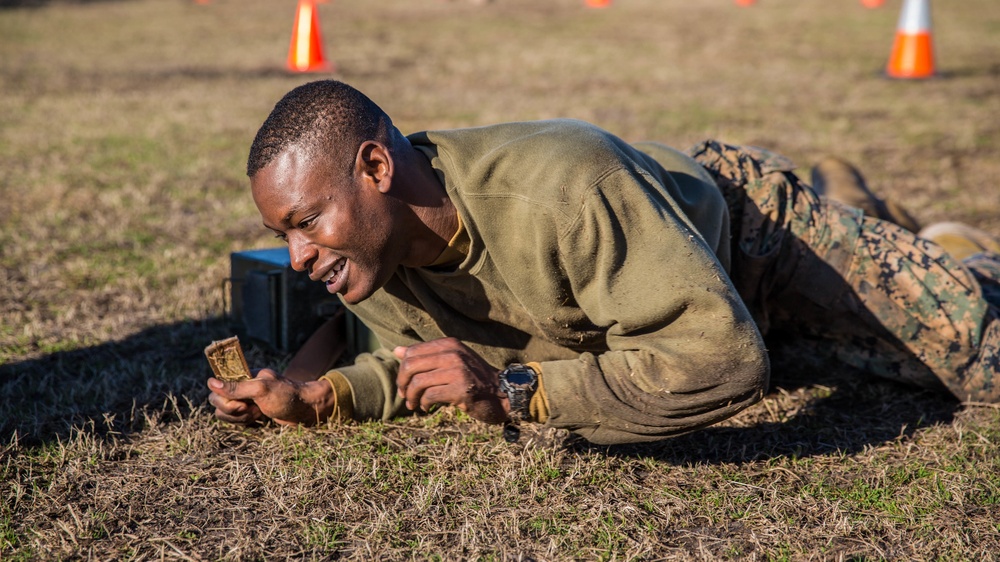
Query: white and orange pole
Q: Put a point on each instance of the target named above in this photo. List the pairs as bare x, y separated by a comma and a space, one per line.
913, 50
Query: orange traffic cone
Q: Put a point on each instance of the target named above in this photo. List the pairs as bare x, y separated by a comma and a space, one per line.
912, 51
305, 54
598, 3
745, 2
872, 3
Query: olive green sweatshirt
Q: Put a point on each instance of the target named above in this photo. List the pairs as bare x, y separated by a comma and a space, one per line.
603, 262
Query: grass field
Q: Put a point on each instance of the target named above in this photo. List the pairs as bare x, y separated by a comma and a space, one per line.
124, 127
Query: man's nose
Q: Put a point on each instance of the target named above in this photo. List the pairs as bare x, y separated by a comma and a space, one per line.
301, 252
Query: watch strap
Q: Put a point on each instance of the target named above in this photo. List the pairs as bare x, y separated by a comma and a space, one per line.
538, 408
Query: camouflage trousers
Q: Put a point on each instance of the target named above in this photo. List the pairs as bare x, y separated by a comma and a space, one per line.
833, 289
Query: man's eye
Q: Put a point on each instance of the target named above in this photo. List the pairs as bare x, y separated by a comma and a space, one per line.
281, 235
305, 223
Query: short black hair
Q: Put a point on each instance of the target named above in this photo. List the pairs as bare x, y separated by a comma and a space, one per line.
325, 117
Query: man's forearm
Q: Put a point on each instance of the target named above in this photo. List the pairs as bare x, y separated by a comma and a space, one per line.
319, 353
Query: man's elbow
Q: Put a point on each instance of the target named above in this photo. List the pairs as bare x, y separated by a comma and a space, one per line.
750, 380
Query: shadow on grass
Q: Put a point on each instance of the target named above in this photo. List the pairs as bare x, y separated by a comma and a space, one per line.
964, 71
859, 412
108, 386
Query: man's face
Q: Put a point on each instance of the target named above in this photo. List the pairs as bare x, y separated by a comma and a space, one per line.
339, 228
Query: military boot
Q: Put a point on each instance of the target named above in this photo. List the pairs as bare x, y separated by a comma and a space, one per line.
960, 240
839, 181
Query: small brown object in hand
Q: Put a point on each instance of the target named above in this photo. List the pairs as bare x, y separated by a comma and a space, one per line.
227, 360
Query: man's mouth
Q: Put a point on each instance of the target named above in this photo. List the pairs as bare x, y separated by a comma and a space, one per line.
336, 277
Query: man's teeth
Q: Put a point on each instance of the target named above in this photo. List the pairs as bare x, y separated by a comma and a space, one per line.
333, 272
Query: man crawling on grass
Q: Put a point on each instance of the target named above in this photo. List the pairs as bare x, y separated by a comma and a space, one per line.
548, 272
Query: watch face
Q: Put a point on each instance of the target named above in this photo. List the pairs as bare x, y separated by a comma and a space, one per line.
519, 377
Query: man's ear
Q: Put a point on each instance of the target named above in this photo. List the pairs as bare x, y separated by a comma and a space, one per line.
374, 165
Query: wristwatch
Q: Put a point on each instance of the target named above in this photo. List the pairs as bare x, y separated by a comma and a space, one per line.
519, 383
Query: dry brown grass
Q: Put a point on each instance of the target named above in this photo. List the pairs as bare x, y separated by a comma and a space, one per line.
123, 132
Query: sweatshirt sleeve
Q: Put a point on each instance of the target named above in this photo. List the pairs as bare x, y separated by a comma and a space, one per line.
682, 349
372, 377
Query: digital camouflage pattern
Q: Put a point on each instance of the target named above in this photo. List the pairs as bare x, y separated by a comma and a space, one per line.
831, 288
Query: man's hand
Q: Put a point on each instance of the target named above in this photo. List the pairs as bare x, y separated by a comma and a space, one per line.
270, 395
445, 371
